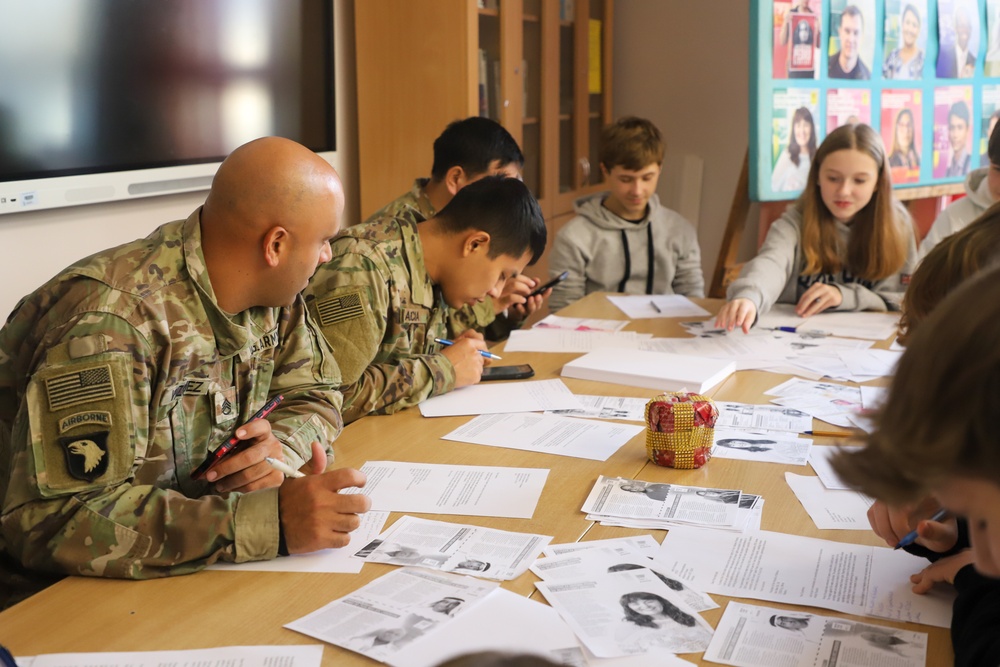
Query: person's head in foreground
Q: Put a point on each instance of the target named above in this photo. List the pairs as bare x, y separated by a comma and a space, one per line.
936, 433
498, 659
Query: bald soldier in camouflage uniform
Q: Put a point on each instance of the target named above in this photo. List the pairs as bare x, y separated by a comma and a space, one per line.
384, 297
466, 151
120, 374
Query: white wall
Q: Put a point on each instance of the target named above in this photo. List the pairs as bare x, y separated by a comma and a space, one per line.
683, 65
35, 246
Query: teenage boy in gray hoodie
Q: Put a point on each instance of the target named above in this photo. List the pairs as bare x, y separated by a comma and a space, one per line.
982, 190
623, 240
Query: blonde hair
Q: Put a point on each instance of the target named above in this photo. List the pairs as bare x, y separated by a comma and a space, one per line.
878, 243
953, 260
937, 420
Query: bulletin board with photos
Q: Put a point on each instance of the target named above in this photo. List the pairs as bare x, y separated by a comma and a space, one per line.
925, 74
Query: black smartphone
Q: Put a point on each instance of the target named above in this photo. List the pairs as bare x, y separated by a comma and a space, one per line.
508, 372
552, 283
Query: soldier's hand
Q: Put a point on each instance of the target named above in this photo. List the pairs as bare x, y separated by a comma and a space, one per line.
515, 292
315, 516
246, 470
464, 356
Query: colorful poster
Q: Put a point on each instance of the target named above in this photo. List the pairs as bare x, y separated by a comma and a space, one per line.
991, 113
901, 133
952, 131
794, 137
958, 37
852, 39
905, 39
992, 67
796, 45
848, 105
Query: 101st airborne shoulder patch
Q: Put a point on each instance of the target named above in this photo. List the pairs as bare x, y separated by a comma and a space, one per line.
340, 308
86, 455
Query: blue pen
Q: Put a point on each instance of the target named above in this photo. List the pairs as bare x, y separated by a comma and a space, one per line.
488, 355
6, 659
786, 329
911, 536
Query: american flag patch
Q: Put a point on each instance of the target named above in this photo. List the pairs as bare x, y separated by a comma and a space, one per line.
340, 308
80, 387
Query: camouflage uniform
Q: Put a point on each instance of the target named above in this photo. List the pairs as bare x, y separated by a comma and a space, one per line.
116, 378
416, 207
379, 310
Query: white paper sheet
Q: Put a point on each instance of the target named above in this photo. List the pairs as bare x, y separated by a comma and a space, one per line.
326, 560
494, 397
794, 569
871, 363
608, 407
657, 305
306, 655
616, 497
752, 636
385, 615
830, 509
761, 417
502, 621
551, 434
580, 324
460, 548
867, 325
872, 397
768, 446
642, 544
562, 340
401, 486
819, 459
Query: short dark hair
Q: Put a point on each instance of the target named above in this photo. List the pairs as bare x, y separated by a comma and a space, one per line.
474, 144
502, 207
960, 110
632, 143
993, 149
852, 10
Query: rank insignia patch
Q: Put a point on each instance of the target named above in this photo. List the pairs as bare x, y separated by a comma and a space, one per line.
83, 386
340, 308
86, 455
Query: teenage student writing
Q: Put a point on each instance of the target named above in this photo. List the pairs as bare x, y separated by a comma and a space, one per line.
935, 445
846, 244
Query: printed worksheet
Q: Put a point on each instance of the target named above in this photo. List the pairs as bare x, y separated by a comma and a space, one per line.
761, 417
494, 397
608, 407
308, 655
618, 497
830, 509
767, 446
432, 488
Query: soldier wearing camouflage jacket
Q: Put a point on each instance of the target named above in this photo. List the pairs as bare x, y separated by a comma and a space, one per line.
116, 379
381, 312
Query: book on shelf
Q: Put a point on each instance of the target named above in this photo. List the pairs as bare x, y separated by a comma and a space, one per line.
653, 370
484, 97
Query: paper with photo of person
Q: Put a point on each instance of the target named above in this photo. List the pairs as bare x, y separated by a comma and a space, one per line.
760, 418
797, 39
992, 66
588, 562
754, 636
902, 132
848, 106
617, 497
988, 120
952, 131
627, 613
439, 545
905, 43
958, 38
769, 446
385, 615
853, 33
795, 131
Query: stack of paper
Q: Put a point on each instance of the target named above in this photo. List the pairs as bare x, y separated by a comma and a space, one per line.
493, 398
563, 340
616, 501
654, 370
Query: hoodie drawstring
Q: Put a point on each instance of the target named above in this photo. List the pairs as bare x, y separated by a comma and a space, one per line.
649, 261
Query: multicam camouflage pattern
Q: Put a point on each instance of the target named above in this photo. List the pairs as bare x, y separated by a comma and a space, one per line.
416, 207
380, 312
116, 378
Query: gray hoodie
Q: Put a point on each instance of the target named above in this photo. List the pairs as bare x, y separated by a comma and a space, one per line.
960, 213
774, 275
606, 253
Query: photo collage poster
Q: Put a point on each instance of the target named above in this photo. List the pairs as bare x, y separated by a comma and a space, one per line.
925, 74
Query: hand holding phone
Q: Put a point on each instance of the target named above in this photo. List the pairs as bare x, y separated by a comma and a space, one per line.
552, 283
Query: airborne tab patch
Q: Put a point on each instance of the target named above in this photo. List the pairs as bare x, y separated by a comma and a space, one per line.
340, 308
83, 386
92, 418
86, 455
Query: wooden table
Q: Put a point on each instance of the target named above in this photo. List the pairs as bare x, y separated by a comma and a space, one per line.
216, 608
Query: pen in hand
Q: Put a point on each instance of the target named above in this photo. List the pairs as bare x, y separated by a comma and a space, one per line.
283, 467
912, 536
229, 445
446, 342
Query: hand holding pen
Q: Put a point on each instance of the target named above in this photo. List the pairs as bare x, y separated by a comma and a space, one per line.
468, 355
486, 353
222, 462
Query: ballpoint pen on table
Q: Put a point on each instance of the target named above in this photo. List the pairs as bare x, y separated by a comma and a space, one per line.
912, 536
229, 445
655, 307
283, 467
446, 342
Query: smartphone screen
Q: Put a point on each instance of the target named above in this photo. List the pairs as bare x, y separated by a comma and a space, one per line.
552, 283
508, 372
